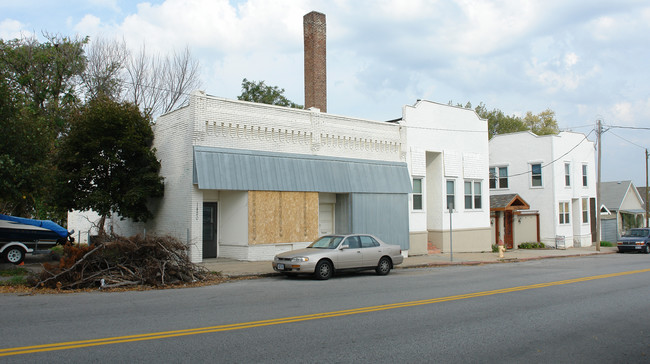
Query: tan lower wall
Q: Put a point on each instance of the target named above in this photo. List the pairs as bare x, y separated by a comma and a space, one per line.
418, 243
282, 217
467, 240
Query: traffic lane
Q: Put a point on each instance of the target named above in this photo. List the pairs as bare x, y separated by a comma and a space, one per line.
459, 326
41, 319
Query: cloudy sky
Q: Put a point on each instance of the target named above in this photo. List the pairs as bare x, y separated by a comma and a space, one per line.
584, 59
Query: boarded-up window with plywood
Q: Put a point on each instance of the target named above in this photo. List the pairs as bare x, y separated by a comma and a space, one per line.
282, 217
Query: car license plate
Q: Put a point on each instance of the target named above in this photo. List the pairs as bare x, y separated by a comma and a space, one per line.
280, 266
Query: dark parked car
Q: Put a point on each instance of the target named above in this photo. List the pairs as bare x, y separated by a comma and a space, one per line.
637, 239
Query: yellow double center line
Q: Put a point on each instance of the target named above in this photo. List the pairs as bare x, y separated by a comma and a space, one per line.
285, 320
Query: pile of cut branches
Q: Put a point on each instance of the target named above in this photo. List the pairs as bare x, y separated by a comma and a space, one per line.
119, 261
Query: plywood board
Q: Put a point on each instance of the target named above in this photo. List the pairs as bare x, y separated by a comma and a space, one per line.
282, 217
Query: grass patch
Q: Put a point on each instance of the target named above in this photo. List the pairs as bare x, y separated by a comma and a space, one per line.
607, 243
17, 271
14, 281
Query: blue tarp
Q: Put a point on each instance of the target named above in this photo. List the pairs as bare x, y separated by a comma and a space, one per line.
46, 224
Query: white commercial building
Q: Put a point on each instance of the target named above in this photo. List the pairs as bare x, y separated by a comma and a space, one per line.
447, 155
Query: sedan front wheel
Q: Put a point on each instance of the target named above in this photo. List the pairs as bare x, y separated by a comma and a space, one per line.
324, 270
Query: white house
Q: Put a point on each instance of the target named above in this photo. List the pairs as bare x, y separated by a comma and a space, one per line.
555, 175
447, 154
622, 208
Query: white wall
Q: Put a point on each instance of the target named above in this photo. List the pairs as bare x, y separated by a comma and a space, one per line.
233, 218
447, 142
224, 123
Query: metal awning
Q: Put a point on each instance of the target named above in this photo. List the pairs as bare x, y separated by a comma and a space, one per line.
247, 170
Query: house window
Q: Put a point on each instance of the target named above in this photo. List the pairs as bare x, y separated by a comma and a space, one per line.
450, 194
567, 174
536, 175
498, 177
417, 193
584, 175
585, 210
564, 213
472, 195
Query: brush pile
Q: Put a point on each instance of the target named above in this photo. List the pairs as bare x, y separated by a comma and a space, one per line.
119, 261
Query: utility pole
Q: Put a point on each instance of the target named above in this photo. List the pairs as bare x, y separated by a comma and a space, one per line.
599, 132
646, 187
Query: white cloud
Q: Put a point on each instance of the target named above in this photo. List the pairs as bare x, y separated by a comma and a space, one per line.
89, 24
12, 29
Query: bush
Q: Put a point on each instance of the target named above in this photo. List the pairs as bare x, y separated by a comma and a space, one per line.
533, 245
606, 243
495, 248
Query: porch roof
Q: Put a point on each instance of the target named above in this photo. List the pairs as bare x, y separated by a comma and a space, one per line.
247, 170
511, 201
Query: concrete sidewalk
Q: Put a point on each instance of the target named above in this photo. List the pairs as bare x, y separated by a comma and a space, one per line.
236, 268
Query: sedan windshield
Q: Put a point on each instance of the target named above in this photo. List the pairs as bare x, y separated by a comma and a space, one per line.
637, 233
326, 242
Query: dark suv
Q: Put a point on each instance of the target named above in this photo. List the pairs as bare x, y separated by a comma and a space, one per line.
635, 240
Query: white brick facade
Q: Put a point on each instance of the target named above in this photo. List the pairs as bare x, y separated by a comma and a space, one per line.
216, 122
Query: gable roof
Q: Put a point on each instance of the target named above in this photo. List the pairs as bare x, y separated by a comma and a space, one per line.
612, 194
642, 192
511, 201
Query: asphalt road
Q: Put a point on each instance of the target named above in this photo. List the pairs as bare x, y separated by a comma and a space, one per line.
572, 310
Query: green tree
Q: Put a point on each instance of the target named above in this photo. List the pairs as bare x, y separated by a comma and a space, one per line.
106, 162
38, 84
543, 123
262, 93
498, 122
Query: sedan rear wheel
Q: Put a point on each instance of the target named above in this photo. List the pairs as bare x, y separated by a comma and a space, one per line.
383, 267
324, 270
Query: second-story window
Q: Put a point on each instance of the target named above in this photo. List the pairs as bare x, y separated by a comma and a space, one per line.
498, 177
584, 175
536, 175
567, 174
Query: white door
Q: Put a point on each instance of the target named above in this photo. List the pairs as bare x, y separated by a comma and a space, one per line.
326, 219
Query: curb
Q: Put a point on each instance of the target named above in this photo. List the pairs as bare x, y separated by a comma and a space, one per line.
438, 264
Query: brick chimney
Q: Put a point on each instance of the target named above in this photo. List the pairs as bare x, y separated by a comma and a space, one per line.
315, 61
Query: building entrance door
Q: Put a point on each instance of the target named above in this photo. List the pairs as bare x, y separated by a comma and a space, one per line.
209, 230
507, 229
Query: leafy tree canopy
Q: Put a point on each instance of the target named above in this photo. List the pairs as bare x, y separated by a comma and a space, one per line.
37, 93
543, 123
106, 162
262, 93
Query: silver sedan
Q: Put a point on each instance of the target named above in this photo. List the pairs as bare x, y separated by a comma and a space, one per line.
332, 253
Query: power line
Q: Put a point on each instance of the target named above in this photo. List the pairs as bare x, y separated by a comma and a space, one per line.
620, 137
628, 127
556, 159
